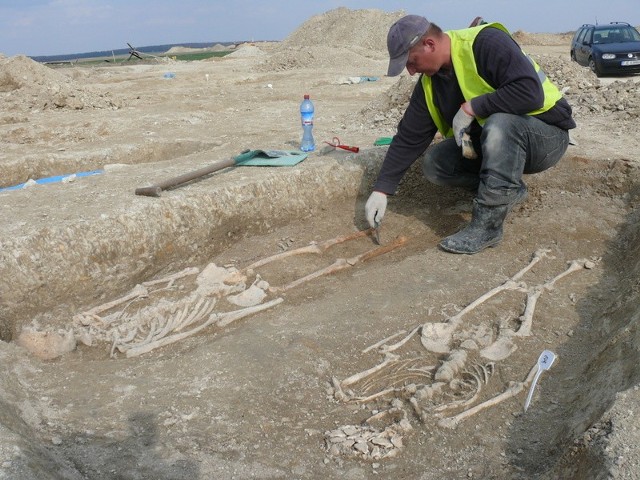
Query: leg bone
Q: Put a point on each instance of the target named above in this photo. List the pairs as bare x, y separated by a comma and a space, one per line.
534, 293
342, 263
436, 337
315, 248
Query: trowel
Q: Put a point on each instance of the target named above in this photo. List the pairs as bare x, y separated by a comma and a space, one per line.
545, 361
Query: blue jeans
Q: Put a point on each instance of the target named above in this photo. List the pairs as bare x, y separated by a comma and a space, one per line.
509, 146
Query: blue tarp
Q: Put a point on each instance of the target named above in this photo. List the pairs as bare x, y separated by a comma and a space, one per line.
54, 179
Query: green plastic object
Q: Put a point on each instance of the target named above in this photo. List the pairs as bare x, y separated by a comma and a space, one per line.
383, 141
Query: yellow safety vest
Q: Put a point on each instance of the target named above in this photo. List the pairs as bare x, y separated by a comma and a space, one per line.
471, 83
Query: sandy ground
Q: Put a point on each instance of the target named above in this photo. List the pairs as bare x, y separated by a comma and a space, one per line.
258, 398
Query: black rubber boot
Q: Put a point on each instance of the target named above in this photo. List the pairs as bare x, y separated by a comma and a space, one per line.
484, 230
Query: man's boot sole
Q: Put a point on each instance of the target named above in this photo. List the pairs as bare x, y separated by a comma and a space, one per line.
490, 244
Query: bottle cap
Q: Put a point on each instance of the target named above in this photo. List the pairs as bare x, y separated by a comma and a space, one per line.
306, 96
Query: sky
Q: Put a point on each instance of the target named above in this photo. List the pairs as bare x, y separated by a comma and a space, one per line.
61, 27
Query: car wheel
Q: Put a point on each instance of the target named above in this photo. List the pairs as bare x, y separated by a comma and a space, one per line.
594, 68
573, 56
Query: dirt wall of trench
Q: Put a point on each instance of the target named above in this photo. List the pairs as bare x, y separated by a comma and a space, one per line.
598, 422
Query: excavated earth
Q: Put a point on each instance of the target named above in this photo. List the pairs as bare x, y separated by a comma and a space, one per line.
257, 398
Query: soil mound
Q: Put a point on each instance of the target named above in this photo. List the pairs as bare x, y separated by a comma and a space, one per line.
546, 39
386, 111
28, 84
177, 50
343, 27
586, 94
338, 37
247, 51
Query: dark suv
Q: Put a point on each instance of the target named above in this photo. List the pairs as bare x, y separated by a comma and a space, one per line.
607, 49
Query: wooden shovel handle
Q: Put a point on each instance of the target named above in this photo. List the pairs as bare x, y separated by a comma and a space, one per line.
155, 190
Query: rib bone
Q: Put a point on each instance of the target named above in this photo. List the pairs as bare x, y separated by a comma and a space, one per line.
389, 358
137, 292
219, 319
512, 391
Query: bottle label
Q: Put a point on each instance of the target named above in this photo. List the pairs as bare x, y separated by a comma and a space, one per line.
307, 118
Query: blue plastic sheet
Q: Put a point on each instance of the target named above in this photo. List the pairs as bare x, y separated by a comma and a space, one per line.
54, 179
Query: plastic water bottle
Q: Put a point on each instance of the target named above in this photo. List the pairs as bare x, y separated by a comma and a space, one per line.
306, 114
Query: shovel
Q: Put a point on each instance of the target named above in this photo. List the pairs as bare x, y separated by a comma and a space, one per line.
260, 158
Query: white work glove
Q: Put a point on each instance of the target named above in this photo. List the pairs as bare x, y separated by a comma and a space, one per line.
461, 122
375, 208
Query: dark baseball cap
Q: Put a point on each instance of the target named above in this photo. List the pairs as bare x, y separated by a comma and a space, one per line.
403, 35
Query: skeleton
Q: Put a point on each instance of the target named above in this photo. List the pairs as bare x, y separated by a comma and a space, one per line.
463, 374
160, 322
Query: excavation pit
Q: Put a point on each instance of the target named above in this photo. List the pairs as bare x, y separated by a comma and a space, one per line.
206, 402
273, 394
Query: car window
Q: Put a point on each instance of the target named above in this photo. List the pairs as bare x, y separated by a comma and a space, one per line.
586, 35
605, 36
576, 37
618, 35
630, 35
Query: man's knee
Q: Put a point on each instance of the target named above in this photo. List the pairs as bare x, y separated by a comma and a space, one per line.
444, 166
430, 168
501, 121
498, 129
437, 164
438, 161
